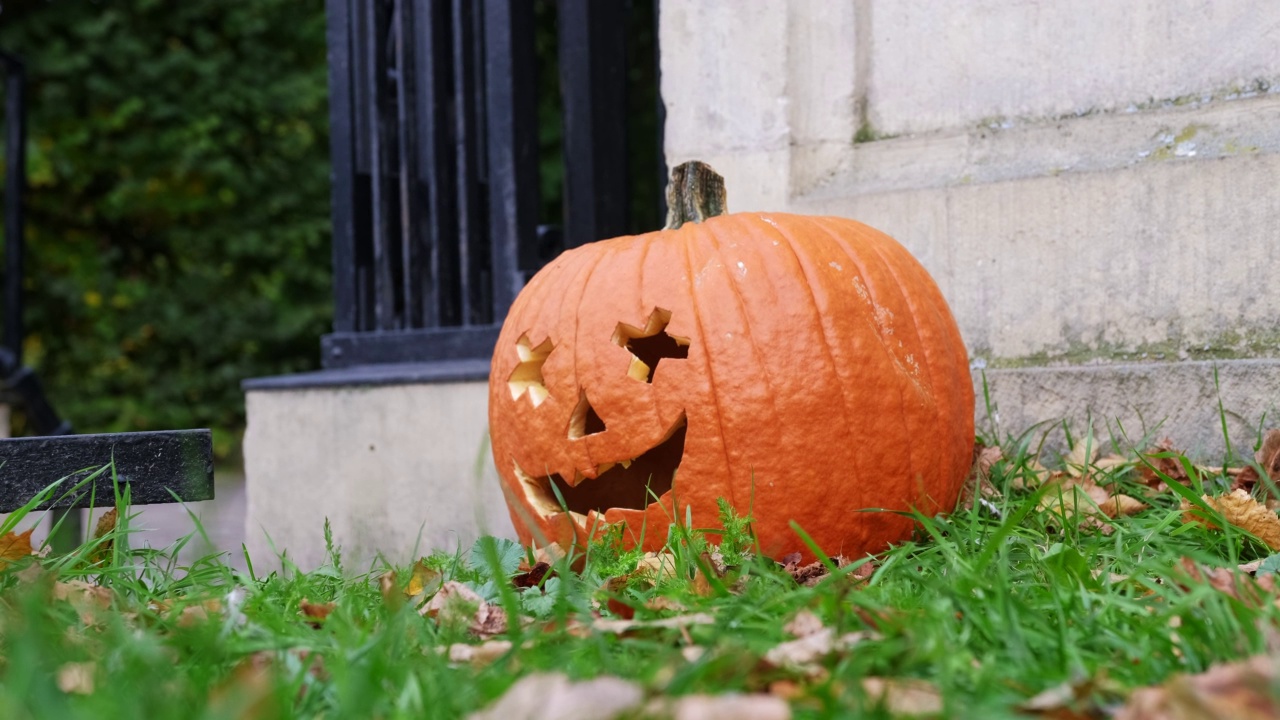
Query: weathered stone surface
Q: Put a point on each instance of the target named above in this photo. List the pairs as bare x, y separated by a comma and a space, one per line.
1137, 403
944, 65
396, 469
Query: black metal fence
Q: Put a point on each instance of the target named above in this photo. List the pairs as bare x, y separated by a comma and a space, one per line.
15, 181
434, 109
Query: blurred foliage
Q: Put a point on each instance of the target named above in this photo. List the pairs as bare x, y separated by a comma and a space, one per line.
178, 216
178, 211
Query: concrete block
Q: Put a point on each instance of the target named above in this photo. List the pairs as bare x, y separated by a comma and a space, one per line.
1138, 403
724, 76
396, 469
1133, 247
945, 65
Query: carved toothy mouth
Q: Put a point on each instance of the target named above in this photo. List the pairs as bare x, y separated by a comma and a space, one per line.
633, 484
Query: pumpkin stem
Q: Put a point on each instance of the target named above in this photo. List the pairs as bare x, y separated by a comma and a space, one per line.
695, 193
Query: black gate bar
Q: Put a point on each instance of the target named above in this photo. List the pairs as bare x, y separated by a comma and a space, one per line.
434, 139
15, 154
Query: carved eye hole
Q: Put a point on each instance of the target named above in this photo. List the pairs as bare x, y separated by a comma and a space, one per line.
527, 377
650, 345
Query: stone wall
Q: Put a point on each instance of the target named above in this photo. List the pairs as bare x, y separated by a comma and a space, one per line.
1091, 183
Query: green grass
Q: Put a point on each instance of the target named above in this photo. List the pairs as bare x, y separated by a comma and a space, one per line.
990, 606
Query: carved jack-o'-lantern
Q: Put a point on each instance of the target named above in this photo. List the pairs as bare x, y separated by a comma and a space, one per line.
803, 368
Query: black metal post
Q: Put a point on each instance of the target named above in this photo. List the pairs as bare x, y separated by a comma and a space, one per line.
593, 58
342, 139
510, 63
14, 189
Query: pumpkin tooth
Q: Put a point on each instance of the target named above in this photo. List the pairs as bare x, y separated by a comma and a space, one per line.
537, 491
603, 468
625, 464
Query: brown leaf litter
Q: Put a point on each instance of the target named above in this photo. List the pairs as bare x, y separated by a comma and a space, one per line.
316, 613
1241, 509
815, 572
14, 546
1268, 458
1162, 460
1082, 500
106, 524
979, 483
553, 696
1243, 690
1233, 582
813, 643
457, 604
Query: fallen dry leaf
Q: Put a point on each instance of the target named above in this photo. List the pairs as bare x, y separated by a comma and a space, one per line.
903, 696
316, 613
532, 577
456, 603
391, 599
979, 483
1242, 510
1240, 691
659, 566
14, 546
192, 613
1268, 458
814, 642
731, 706
692, 653
804, 624
665, 604
553, 696
805, 653
76, 678
1085, 698
1157, 463
248, 692
676, 622
702, 583
1082, 500
478, 655
1254, 592
88, 599
815, 572
1081, 454
423, 580
106, 523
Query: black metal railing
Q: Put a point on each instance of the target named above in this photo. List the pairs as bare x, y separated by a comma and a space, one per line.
15, 181
435, 142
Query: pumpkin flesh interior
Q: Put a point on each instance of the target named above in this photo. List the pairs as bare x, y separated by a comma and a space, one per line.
631, 484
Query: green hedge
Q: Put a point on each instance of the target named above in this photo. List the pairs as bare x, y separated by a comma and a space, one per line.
178, 221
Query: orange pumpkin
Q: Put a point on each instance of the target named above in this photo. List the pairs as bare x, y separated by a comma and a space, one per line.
803, 368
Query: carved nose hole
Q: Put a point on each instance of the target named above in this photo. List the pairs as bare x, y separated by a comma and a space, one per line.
650, 344
584, 421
